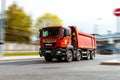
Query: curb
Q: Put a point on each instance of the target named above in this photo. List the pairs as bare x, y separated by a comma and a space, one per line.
111, 62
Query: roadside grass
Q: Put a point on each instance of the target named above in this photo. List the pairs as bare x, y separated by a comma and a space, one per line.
21, 54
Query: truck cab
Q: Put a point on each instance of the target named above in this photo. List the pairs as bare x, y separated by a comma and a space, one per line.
54, 42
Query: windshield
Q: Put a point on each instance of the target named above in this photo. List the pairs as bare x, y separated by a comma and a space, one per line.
50, 32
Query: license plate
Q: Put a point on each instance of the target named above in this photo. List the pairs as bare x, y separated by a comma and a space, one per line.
48, 51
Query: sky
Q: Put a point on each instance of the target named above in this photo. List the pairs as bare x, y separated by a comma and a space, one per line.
90, 16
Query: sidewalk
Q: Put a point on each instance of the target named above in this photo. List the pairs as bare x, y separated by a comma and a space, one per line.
19, 58
113, 61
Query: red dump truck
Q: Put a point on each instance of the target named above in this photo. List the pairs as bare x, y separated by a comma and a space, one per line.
66, 43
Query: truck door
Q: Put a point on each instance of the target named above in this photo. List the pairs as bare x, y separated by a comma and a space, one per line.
66, 37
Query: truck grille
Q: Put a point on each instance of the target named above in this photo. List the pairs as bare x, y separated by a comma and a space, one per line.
52, 44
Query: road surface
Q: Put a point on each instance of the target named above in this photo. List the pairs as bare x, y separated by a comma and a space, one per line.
39, 69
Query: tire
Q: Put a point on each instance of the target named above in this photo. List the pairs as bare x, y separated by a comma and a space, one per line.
69, 56
59, 59
88, 55
48, 58
78, 56
92, 56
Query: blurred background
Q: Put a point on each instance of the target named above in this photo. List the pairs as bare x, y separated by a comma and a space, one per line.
20, 21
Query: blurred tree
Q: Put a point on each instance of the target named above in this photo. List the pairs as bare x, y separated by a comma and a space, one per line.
47, 20
18, 24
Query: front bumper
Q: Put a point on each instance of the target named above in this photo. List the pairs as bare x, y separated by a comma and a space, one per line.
52, 52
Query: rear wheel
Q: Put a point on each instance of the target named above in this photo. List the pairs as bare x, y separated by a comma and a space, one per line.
88, 55
78, 56
92, 56
69, 56
48, 58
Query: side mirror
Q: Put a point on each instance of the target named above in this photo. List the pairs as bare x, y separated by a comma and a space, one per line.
39, 30
40, 33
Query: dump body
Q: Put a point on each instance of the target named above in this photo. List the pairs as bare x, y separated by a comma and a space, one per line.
83, 40
86, 41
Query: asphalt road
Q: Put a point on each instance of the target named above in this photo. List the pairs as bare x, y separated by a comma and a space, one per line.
39, 69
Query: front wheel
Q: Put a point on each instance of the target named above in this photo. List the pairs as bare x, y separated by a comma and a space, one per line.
69, 56
59, 59
48, 58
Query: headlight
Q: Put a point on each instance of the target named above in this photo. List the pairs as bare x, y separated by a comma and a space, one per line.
58, 52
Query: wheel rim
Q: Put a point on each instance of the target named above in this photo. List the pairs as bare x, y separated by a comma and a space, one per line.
92, 55
78, 56
69, 56
88, 55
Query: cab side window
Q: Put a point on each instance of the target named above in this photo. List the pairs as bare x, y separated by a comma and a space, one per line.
66, 32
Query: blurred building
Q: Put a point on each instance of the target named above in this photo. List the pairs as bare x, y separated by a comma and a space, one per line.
20, 47
110, 38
